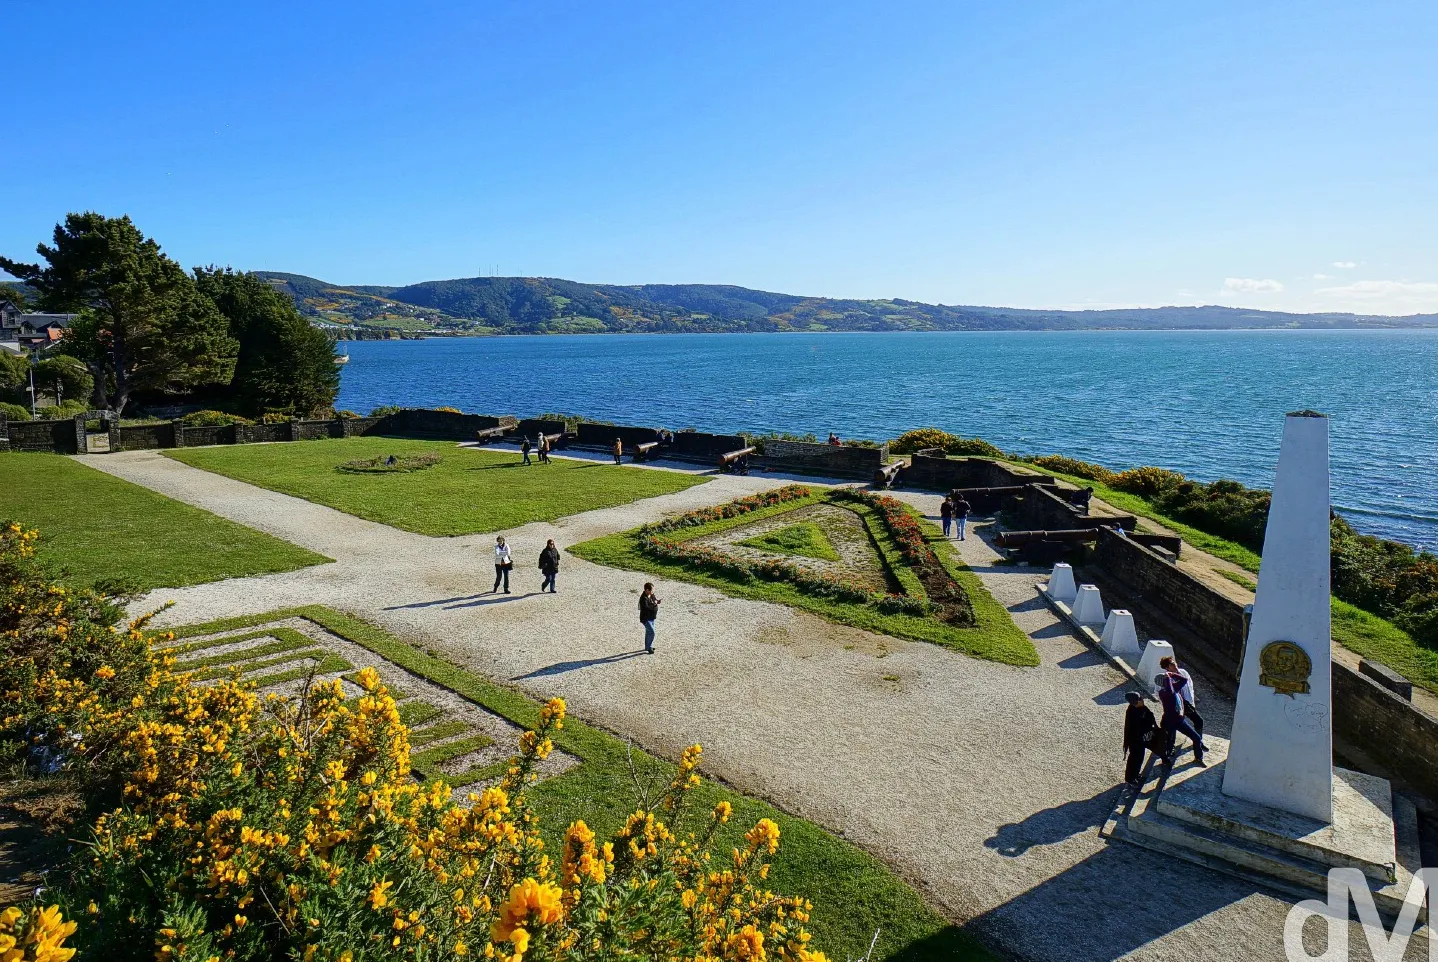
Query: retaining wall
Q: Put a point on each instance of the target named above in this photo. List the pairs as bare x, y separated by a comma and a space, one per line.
832, 460
1040, 509
1371, 724
603, 435
702, 446
57, 436
938, 473
140, 437
441, 425
533, 427
261, 433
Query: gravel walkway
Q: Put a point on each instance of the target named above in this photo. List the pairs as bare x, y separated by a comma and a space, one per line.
982, 784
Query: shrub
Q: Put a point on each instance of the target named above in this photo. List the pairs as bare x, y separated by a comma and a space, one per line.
60, 412
1146, 482
346, 415
385, 410
276, 417
1074, 467
449, 410
247, 828
381, 464
210, 419
923, 438
14, 412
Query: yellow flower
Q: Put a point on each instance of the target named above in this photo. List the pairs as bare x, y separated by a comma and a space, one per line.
764, 835
520, 938
542, 901
722, 811
378, 897
105, 672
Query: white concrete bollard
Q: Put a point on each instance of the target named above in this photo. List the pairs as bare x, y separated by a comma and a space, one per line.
1153, 652
1061, 584
1088, 607
1119, 636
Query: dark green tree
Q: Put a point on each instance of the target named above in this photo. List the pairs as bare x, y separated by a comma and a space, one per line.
141, 324
285, 364
65, 378
14, 376
13, 295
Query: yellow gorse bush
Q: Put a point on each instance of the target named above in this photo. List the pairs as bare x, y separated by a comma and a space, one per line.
236, 826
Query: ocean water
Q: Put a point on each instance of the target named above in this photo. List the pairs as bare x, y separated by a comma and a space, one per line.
1209, 404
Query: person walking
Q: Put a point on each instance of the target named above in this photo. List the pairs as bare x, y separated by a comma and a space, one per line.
543, 449
524, 449
946, 514
1185, 691
618, 450
1173, 721
503, 562
549, 564
648, 611
961, 515
1138, 728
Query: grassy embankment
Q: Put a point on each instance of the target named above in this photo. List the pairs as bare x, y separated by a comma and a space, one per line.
1357, 630
96, 527
806, 540
995, 637
854, 894
469, 491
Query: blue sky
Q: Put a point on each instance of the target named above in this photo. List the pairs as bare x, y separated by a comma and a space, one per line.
1062, 154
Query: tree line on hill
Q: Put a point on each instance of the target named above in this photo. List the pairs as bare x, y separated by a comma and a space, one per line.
146, 327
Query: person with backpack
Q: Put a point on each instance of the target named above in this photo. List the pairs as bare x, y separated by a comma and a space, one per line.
524, 449
1173, 722
961, 515
946, 514
503, 562
1139, 727
648, 611
549, 564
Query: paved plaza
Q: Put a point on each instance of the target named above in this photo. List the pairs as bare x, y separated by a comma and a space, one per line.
982, 784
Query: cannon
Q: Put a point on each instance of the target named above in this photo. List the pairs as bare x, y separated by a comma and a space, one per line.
736, 462
888, 474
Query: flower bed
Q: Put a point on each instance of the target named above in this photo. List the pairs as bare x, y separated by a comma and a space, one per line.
381, 464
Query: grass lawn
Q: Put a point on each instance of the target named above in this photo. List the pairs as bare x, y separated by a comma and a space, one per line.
1359, 631
470, 491
95, 527
853, 893
995, 637
807, 540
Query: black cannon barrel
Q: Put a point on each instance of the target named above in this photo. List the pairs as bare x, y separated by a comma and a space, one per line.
731, 456
1012, 539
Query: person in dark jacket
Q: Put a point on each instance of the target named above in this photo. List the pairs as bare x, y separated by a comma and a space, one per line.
1138, 725
1169, 688
946, 514
961, 515
549, 564
648, 611
524, 450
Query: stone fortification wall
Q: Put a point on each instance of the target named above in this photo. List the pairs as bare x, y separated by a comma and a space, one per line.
57, 436
533, 427
440, 425
141, 437
603, 435
831, 460
1371, 725
938, 473
702, 446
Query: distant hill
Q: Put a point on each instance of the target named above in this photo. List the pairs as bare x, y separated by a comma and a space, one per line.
546, 305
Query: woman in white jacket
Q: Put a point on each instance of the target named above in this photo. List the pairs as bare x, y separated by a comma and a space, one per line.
503, 561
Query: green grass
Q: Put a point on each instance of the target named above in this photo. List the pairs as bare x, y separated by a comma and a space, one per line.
434, 733
426, 763
854, 893
806, 539
95, 527
995, 637
322, 666
470, 491
414, 713
1359, 631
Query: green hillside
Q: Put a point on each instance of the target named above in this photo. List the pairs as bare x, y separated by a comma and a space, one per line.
546, 305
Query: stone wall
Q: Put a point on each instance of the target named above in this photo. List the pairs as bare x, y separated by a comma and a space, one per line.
441, 425
938, 473
1040, 509
356, 427
315, 430
57, 436
262, 433
141, 437
831, 460
702, 446
533, 427
1371, 724
195, 437
603, 435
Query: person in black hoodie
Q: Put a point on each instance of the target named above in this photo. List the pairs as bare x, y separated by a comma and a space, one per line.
1138, 724
648, 611
549, 564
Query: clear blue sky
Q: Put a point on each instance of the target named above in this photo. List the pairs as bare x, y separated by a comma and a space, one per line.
1060, 154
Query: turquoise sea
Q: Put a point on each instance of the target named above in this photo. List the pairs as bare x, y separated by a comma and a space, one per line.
1209, 404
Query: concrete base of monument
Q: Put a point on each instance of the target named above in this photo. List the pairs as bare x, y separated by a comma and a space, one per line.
1185, 813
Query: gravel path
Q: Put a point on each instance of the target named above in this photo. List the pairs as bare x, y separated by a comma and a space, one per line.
981, 783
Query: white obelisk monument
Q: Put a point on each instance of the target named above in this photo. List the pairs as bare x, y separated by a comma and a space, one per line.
1281, 754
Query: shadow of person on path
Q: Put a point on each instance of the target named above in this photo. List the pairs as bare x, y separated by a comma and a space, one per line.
435, 602
1051, 825
560, 667
481, 600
